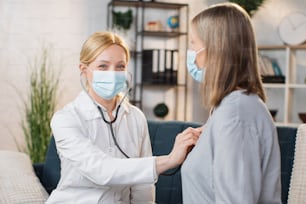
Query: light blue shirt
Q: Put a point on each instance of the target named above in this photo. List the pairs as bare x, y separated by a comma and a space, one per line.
237, 158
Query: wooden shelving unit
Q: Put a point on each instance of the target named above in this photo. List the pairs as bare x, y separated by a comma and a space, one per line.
292, 93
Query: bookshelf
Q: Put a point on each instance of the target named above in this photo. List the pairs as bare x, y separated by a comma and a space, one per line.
160, 66
289, 97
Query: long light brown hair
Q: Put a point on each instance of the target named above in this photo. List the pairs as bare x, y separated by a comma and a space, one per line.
231, 53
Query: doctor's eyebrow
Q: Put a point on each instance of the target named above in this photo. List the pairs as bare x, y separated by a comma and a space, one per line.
108, 62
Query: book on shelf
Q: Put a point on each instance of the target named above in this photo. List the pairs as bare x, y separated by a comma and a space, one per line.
159, 66
270, 70
273, 79
265, 66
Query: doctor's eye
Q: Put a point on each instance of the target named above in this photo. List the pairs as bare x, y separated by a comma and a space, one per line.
121, 66
102, 66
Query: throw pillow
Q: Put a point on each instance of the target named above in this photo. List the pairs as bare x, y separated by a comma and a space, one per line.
18, 182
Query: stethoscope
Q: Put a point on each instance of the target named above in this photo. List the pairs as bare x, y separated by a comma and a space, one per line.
110, 123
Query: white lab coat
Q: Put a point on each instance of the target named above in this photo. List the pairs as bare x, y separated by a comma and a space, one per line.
93, 170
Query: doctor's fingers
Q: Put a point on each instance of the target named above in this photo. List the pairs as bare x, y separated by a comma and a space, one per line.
185, 143
199, 129
188, 138
195, 131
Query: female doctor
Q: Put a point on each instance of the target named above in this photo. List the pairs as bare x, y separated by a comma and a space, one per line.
100, 136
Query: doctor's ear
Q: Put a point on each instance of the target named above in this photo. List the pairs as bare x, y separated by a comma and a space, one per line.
82, 67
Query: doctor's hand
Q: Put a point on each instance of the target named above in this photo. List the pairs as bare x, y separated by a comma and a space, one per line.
184, 142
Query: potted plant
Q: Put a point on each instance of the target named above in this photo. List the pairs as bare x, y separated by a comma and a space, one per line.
39, 106
250, 6
123, 20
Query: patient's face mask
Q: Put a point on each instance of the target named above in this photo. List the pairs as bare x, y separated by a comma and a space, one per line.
192, 68
107, 84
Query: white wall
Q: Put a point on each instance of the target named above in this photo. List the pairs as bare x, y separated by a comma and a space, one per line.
24, 27
26, 24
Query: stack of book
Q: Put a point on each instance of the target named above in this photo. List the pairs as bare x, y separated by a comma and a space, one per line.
270, 70
159, 66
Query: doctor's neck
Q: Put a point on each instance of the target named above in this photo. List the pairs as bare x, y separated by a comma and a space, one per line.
108, 105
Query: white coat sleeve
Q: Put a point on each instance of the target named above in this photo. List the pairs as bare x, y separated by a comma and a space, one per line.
237, 173
144, 194
93, 163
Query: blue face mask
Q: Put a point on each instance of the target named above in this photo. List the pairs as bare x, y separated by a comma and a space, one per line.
107, 84
192, 68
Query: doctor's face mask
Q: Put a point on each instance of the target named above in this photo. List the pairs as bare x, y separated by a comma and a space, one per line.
107, 84
194, 71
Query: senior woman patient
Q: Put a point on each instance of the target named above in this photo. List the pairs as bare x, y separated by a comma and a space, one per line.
237, 158
102, 140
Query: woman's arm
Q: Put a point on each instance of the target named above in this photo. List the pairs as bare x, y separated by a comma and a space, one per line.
237, 163
102, 169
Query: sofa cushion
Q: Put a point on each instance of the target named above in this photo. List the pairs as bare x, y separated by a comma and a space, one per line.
286, 138
18, 182
298, 178
162, 134
51, 170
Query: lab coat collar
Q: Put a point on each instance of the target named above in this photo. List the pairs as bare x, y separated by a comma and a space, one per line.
90, 110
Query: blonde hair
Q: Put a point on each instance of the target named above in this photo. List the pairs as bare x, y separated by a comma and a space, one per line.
231, 52
98, 42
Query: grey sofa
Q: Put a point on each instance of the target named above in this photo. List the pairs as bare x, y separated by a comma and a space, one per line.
168, 188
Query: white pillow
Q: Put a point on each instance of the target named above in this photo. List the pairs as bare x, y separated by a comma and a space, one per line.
18, 182
298, 177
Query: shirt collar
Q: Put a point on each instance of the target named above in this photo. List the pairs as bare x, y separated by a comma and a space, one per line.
89, 108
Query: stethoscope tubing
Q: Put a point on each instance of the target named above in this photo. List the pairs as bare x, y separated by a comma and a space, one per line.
110, 123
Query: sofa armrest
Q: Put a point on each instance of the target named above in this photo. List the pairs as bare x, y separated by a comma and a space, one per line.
38, 169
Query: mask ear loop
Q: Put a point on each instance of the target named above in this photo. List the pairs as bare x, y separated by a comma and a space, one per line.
200, 50
82, 83
128, 87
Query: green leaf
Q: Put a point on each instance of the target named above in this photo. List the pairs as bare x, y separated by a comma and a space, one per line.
249, 5
40, 106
